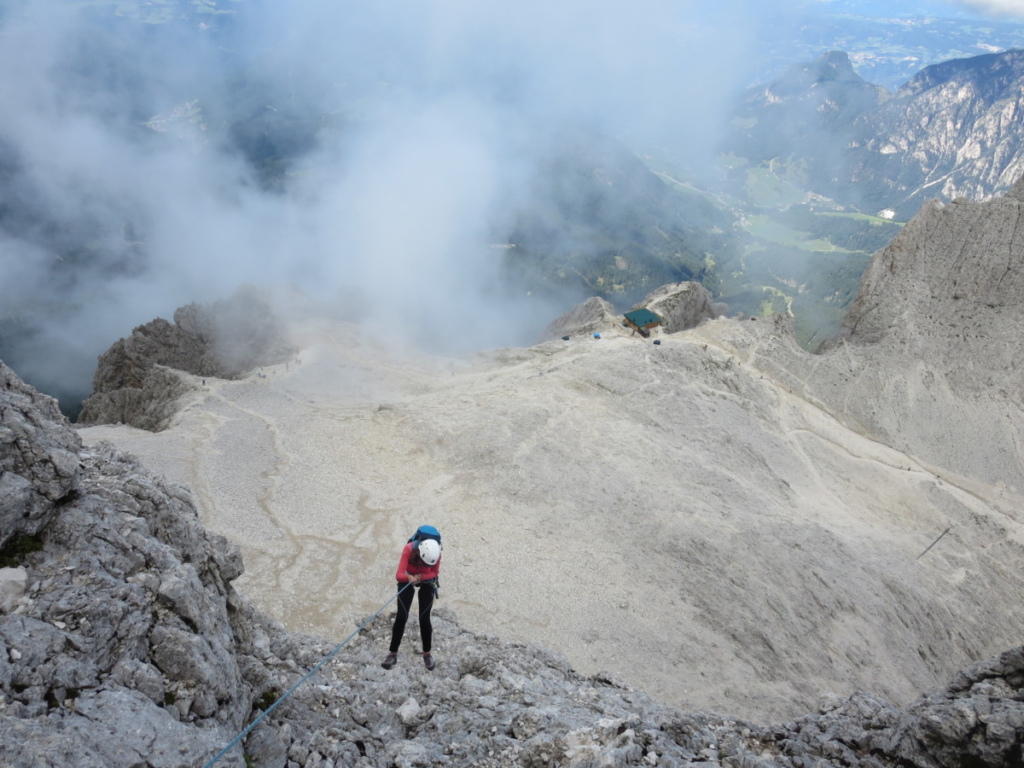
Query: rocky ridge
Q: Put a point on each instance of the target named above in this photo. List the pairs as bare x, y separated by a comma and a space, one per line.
928, 356
138, 381
130, 647
681, 305
951, 131
593, 315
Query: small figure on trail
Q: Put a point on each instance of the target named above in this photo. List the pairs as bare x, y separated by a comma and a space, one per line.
418, 568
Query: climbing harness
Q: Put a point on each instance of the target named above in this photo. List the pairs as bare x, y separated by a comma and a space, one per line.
304, 678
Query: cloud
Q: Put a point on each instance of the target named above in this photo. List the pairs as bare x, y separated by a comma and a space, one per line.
135, 157
995, 8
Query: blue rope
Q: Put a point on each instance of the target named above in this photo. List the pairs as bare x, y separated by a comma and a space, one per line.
309, 674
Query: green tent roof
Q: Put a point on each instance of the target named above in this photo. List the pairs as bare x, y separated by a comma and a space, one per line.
642, 317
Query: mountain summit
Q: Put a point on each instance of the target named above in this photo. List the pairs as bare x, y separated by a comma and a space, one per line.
808, 113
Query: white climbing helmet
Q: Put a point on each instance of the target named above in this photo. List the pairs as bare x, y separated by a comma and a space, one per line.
430, 551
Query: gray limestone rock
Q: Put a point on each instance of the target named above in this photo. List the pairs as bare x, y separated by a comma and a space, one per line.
593, 315
107, 728
131, 648
928, 357
150, 406
39, 459
681, 305
138, 380
12, 586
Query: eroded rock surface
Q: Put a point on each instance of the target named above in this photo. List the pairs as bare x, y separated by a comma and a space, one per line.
593, 315
928, 359
39, 458
131, 648
682, 305
138, 380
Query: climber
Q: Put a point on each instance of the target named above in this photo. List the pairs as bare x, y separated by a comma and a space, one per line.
418, 568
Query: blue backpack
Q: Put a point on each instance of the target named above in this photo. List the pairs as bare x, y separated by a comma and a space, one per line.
426, 532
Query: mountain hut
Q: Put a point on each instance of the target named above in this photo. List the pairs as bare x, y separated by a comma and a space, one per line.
642, 320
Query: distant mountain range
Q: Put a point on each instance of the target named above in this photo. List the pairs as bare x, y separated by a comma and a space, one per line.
888, 42
952, 131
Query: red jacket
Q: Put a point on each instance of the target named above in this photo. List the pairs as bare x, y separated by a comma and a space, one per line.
407, 568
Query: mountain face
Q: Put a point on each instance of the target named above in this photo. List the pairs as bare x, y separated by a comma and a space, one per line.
124, 643
752, 522
951, 131
808, 113
136, 381
928, 357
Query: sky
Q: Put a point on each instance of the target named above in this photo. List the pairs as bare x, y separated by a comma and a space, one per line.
125, 191
994, 8
939, 8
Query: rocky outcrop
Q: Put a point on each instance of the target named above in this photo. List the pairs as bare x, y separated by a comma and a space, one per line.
936, 336
950, 285
681, 305
39, 458
151, 406
976, 720
928, 357
594, 314
130, 648
125, 619
136, 381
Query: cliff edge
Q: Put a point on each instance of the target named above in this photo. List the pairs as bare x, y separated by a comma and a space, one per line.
128, 646
139, 381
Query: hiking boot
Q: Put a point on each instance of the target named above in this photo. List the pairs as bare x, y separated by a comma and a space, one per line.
390, 661
428, 660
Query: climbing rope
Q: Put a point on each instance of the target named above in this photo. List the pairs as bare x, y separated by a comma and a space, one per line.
304, 678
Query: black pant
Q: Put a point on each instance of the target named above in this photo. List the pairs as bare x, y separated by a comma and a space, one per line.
426, 602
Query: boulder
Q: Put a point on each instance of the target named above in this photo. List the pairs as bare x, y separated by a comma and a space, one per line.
12, 586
